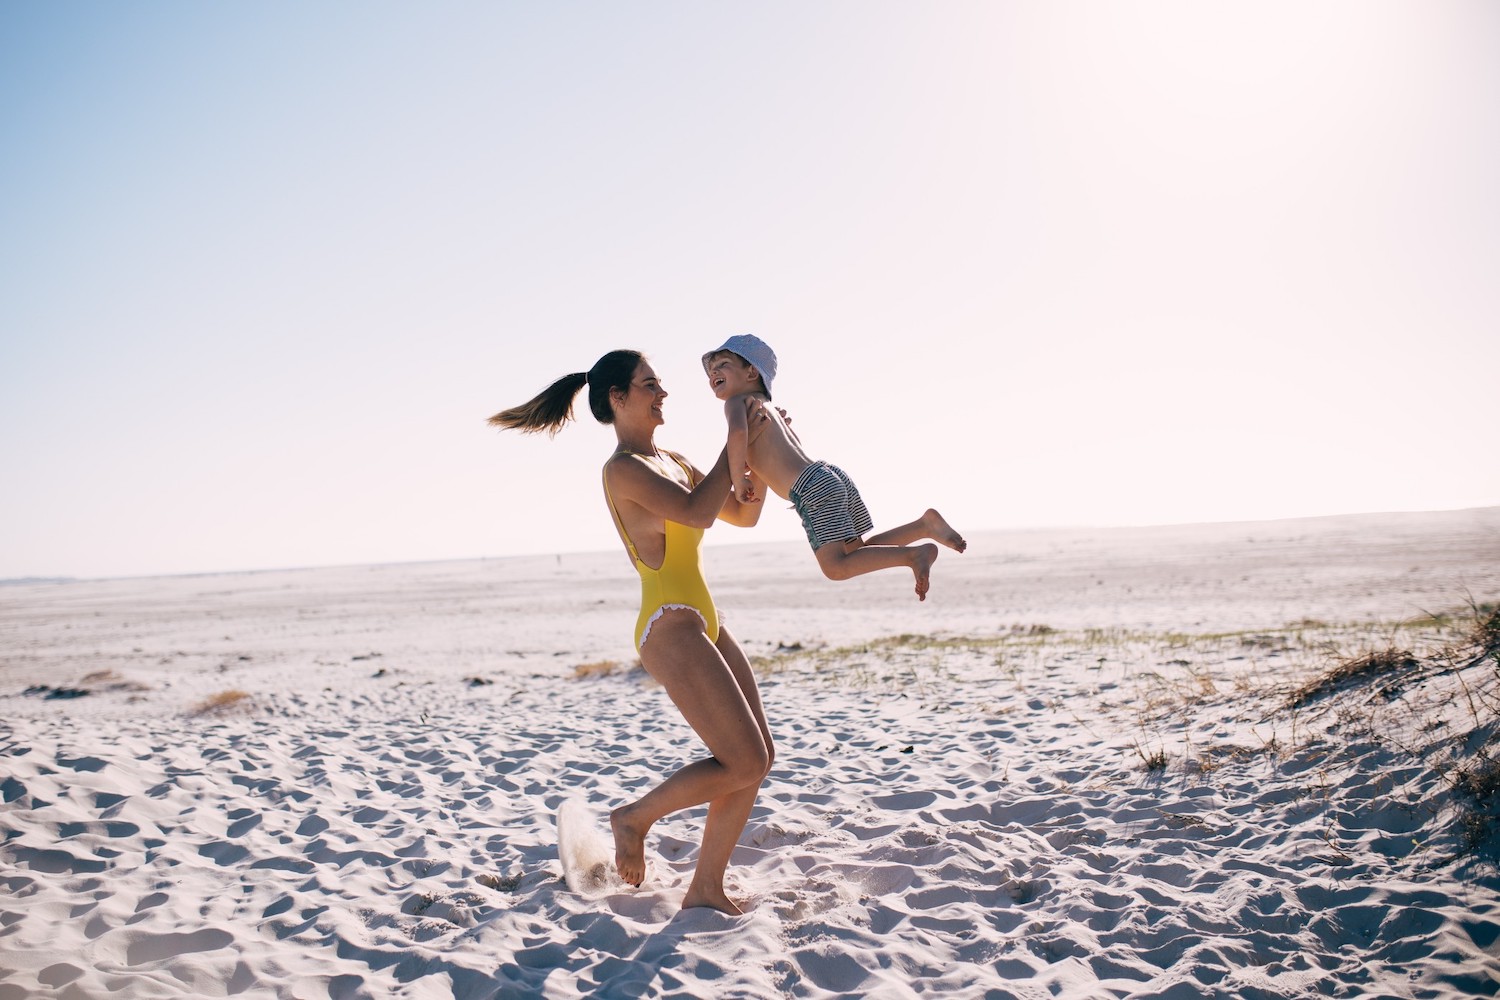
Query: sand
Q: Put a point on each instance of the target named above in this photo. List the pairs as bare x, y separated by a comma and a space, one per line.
1080, 769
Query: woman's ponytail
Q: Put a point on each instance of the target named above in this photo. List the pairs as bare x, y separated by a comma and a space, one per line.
547, 411
553, 406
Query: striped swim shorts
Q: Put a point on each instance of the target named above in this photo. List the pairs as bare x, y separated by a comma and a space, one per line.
829, 505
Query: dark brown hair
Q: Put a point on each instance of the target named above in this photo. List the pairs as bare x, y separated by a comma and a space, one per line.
553, 406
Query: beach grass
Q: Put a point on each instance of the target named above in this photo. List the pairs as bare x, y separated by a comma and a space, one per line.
222, 702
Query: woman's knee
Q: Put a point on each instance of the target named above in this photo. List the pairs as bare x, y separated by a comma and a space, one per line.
762, 765
749, 766
767, 759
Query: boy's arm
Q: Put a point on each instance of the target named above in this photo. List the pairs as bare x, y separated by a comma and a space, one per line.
736, 414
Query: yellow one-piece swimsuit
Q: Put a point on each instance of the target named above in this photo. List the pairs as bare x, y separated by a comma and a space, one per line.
678, 582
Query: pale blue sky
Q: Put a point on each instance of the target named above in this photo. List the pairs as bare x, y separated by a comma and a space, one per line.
266, 268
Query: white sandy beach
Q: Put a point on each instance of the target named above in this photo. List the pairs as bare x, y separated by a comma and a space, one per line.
1078, 770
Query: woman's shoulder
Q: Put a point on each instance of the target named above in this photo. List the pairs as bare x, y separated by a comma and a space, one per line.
622, 463
631, 475
633, 465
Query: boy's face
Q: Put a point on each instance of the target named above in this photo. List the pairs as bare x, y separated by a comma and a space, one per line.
731, 375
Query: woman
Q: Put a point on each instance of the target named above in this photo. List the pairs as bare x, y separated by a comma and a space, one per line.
660, 505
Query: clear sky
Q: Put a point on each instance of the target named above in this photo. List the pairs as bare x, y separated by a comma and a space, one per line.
266, 267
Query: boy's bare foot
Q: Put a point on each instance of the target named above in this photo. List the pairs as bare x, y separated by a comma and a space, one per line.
940, 530
712, 900
630, 846
924, 557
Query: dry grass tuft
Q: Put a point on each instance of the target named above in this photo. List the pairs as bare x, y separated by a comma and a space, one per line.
599, 668
1480, 782
1486, 631
1364, 668
1151, 761
1479, 816
110, 680
224, 701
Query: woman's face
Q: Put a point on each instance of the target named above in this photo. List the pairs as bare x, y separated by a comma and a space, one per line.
645, 395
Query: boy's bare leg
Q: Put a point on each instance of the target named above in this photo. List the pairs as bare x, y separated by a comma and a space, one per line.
929, 525
840, 562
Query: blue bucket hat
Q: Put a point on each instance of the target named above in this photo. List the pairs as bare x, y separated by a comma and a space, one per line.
753, 350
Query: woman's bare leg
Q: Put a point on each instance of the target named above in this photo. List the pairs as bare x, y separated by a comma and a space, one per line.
728, 814
679, 656
929, 525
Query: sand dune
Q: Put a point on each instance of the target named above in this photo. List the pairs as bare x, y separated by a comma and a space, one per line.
1081, 769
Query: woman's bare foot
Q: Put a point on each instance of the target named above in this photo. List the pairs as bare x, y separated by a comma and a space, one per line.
923, 558
941, 531
630, 846
712, 900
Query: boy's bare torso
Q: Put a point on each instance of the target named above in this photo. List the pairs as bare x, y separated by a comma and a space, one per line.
775, 454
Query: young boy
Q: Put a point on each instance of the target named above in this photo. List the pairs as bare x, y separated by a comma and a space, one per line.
740, 372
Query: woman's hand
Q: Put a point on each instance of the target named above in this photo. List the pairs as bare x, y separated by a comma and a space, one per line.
764, 415
755, 409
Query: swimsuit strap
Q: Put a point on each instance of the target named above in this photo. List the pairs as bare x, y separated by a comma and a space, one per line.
614, 511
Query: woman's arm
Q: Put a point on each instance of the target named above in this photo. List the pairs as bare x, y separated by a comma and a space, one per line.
741, 515
632, 478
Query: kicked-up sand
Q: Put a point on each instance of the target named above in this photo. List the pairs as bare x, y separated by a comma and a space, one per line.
1229, 761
